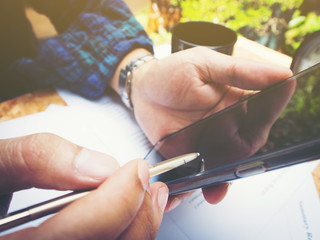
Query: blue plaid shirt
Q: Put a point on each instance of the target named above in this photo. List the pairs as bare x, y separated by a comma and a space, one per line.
94, 35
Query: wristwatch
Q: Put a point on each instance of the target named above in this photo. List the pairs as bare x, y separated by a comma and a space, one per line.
125, 78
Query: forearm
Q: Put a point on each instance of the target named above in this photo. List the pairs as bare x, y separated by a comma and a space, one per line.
85, 57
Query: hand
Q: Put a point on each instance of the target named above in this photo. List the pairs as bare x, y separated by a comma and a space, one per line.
187, 86
124, 206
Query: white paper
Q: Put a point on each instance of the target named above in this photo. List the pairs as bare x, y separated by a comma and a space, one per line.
267, 206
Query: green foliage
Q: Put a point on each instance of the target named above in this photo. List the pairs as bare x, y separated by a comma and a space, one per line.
275, 23
256, 19
299, 27
234, 13
300, 120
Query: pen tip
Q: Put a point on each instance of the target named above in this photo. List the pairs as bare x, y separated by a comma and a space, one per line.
195, 155
192, 156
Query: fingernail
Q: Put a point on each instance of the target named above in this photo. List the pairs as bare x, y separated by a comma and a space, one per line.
163, 195
143, 173
175, 203
94, 165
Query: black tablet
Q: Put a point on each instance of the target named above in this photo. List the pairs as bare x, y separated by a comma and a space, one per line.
274, 128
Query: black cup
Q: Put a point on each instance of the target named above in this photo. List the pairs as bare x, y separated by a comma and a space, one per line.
214, 36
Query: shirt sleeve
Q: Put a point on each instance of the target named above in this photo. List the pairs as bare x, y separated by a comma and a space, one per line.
91, 43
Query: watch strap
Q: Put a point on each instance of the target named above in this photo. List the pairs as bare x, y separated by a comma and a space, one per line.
125, 78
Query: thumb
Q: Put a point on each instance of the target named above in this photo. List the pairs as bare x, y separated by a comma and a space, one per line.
236, 72
48, 161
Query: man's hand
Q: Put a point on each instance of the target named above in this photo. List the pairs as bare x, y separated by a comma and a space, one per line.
124, 206
172, 93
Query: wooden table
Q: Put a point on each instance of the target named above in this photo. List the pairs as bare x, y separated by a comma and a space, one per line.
29, 103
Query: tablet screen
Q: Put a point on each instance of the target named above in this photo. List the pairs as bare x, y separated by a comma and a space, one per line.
285, 114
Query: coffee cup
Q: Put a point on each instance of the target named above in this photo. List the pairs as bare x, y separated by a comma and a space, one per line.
199, 33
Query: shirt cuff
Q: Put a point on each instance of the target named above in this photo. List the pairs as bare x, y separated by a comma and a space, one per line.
85, 57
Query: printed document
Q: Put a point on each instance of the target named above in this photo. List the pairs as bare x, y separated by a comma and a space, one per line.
283, 204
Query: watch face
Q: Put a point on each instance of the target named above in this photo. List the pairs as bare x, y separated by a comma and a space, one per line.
308, 54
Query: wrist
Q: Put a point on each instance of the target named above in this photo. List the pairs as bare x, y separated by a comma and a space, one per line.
129, 72
136, 53
126, 78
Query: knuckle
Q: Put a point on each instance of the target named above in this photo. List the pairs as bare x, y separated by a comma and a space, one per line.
233, 70
200, 49
34, 152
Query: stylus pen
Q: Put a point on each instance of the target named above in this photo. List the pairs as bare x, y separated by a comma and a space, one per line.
54, 205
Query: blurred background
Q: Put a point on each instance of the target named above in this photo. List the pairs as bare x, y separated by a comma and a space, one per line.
277, 24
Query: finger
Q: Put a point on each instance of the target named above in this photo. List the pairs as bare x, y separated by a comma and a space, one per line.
104, 213
244, 74
215, 193
160, 194
148, 220
176, 200
48, 161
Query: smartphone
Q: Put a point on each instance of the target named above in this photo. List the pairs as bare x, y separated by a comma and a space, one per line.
271, 129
